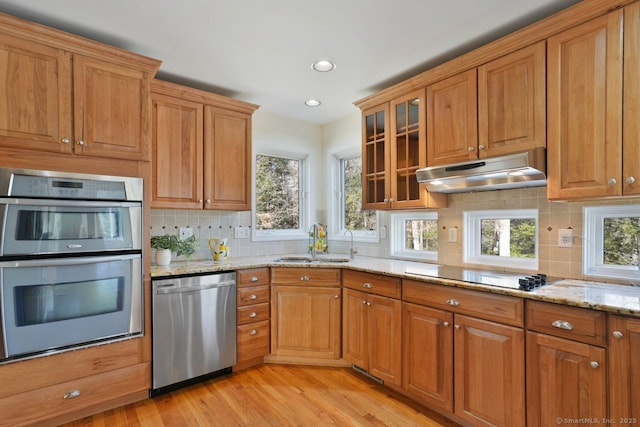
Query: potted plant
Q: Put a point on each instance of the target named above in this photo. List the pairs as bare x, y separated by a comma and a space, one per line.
164, 245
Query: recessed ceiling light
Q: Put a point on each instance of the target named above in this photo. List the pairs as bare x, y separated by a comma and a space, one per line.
312, 103
323, 66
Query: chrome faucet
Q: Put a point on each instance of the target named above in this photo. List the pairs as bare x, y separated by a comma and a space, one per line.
351, 250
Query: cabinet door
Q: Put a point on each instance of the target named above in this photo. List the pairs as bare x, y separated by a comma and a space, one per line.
428, 355
584, 96
489, 372
227, 159
408, 149
631, 107
624, 368
384, 317
112, 109
565, 379
176, 153
375, 158
452, 120
35, 96
512, 102
354, 328
305, 321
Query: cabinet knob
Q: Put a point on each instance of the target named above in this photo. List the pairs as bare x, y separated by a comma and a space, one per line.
367, 285
470, 149
594, 364
364, 302
336, 296
253, 332
253, 279
304, 278
481, 147
199, 200
72, 394
253, 297
368, 304
445, 323
390, 199
386, 200
253, 314
456, 326
618, 334
453, 302
208, 201
562, 324
612, 181
630, 180
65, 140
80, 142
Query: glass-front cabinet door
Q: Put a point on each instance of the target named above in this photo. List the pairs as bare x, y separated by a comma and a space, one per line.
375, 158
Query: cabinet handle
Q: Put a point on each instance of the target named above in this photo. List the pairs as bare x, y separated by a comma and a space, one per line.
208, 201
618, 334
630, 180
253, 314
336, 296
253, 297
470, 149
199, 200
368, 304
253, 279
453, 302
481, 147
390, 199
253, 332
304, 278
594, 364
385, 200
364, 302
80, 142
456, 326
445, 323
367, 285
612, 181
65, 140
562, 324
72, 394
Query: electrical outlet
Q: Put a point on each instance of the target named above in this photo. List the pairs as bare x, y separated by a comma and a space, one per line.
565, 238
453, 234
241, 232
185, 232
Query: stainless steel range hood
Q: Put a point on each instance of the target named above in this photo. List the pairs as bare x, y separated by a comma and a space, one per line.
526, 169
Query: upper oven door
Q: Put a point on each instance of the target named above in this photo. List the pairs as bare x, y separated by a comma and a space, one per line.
43, 226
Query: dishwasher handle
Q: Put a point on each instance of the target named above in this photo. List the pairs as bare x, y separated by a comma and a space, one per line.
173, 288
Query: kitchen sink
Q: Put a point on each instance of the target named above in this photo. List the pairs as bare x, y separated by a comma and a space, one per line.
309, 260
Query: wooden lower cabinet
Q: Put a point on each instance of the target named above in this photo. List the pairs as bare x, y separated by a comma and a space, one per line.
372, 337
253, 327
624, 369
565, 380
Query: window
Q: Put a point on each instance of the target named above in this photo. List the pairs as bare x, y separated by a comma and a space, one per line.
279, 203
414, 235
503, 238
346, 206
612, 241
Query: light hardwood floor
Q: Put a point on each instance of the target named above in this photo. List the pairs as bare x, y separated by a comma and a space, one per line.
275, 395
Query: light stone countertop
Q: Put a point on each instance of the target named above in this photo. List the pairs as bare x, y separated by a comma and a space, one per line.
615, 298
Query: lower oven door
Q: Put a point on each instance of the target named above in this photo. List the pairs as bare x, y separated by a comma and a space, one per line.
51, 304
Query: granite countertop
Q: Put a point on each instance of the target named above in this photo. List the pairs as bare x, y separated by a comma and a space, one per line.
615, 298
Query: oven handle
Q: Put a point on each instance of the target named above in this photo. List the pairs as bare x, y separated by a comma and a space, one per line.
57, 262
68, 203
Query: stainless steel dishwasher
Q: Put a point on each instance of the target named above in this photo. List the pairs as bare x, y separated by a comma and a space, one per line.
194, 329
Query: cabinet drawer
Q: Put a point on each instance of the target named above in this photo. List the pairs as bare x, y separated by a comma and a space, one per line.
305, 276
372, 283
500, 308
579, 324
253, 340
55, 401
252, 295
252, 277
253, 313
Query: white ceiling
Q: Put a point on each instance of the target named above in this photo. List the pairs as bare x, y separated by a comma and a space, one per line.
261, 51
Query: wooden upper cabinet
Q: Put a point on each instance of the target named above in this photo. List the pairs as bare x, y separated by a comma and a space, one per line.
177, 152
227, 159
584, 103
631, 99
452, 122
375, 157
512, 102
35, 95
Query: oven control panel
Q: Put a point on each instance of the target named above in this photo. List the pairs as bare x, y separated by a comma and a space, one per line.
66, 188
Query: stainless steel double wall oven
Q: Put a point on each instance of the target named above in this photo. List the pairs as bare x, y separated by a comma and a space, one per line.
70, 260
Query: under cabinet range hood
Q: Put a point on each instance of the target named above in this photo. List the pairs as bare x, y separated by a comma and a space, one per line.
526, 169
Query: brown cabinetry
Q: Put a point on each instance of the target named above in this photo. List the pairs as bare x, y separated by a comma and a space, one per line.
305, 314
470, 366
566, 372
201, 149
372, 324
253, 331
624, 369
65, 94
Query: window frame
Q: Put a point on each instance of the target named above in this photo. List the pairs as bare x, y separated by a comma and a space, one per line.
336, 202
397, 236
303, 187
593, 241
472, 238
